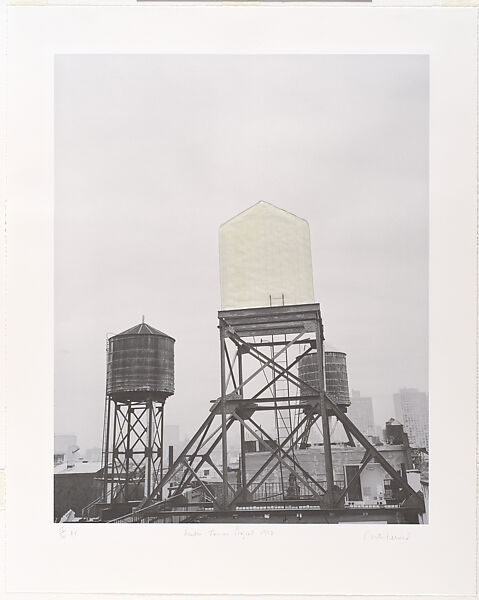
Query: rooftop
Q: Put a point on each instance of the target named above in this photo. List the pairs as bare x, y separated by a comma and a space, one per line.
78, 467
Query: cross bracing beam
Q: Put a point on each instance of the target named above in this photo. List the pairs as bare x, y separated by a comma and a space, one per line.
135, 446
185, 481
177, 463
293, 460
346, 422
279, 458
208, 492
279, 375
268, 360
272, 457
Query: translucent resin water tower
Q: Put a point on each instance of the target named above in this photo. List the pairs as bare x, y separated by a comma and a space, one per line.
265, 259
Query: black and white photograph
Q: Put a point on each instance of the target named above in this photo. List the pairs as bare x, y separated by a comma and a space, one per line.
241, 289
240, 335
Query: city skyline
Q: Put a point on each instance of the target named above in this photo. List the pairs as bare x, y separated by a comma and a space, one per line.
182, 437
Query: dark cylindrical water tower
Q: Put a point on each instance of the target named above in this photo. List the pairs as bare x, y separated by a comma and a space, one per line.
335, 376
141, 360
308, 371
140, 377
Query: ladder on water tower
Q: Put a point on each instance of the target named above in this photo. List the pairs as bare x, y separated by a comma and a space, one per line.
281, 389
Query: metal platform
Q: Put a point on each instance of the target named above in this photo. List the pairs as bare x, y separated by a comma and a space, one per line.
271, 514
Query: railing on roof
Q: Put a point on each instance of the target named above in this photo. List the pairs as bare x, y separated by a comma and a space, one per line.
268, 492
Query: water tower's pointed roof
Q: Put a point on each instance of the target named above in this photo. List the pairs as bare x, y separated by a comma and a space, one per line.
143, 329
262, 206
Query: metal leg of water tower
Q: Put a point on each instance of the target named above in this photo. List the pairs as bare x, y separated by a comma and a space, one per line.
161, 447
127, 454
328, 459
106, 447
223, 417
154, 450
242, 430
113, 451
149, 469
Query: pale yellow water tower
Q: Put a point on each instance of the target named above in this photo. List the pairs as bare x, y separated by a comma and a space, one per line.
265, 259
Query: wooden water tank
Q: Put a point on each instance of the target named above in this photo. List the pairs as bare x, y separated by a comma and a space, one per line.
335, 376
141, 359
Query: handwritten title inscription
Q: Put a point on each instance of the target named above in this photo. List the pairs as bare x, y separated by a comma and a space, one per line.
236, 533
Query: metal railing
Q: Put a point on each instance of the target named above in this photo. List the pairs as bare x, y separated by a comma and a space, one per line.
268, 492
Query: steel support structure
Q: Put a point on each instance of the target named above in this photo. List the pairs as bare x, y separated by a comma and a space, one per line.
253, 346
133, 452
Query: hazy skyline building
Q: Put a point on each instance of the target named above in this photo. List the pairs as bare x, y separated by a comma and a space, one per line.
411, 408
361, 413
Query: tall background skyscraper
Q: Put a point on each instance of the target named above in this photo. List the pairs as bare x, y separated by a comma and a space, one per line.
361, 413
411, 408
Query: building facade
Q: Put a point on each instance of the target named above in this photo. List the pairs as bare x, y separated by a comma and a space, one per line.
75, 486
373, 482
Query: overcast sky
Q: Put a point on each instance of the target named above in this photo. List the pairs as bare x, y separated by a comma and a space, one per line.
153, 153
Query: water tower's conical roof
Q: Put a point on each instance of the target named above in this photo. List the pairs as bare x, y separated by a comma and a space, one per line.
143, 329
265, 207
